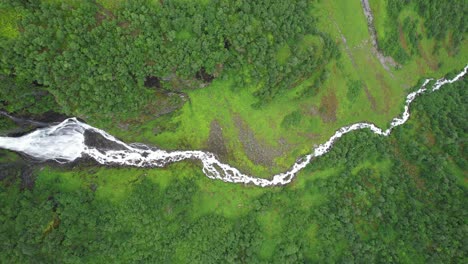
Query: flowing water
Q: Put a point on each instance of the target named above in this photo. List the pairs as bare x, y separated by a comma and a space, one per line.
67, 142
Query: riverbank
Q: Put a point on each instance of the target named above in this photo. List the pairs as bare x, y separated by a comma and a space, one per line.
73, 139
413, 180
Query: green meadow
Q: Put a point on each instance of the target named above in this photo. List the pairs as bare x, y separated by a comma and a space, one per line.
357, 89
367, 189
377, 96
371, 199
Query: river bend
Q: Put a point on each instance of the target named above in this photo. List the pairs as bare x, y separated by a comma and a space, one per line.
66, 142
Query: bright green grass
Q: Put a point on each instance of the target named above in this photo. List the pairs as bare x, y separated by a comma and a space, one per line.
219, 102
348, 15
229, 200
384, 99
380, 16
66, 181
214, 196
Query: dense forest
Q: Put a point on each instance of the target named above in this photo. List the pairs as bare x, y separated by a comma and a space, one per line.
105, 57
406, 205
371, 199
438, 20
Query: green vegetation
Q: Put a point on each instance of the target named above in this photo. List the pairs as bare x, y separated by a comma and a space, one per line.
5, 123
327, 109
354, 88
291, 120
371, 199
8, 19
134, 112
18, 95
264, 81
439, 20
103, 56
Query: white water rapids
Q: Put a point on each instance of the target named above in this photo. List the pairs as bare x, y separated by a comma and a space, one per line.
65, 142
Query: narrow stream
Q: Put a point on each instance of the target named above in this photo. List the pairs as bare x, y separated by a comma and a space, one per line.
67, 142
386, 61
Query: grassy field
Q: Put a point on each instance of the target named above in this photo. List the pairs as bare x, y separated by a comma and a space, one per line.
377, 96
124, 200
266, 140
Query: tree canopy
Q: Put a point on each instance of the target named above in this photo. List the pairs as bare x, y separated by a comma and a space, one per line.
95, 60
390, 199
437, 20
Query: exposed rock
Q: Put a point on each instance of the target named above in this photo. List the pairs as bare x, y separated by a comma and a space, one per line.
93, 139
204, 76
27, 123
258, 151
153, 81
216, 143
386, 61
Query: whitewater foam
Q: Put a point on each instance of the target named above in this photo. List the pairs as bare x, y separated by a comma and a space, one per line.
65, 142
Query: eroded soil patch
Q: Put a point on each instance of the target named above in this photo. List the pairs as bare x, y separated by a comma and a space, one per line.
216, 143
328, 106
257, 150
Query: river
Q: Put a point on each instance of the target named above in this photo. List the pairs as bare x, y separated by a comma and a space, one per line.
67, 141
